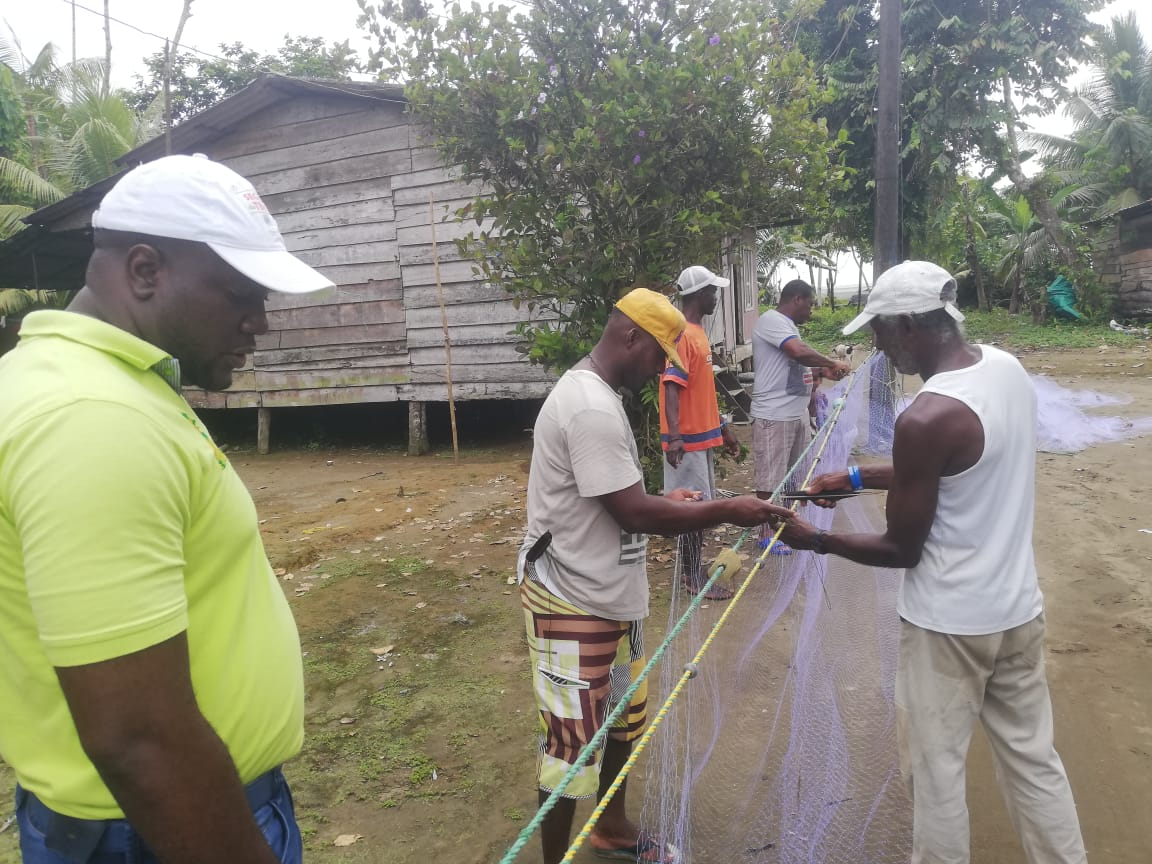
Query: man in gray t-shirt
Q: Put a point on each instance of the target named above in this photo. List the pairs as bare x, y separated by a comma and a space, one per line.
783, 390
583, 569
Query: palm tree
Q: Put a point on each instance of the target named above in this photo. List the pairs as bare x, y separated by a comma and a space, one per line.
1026, 246
1107, 161
960, 220
75, 130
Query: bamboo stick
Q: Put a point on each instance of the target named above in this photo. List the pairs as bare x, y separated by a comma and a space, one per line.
444, 322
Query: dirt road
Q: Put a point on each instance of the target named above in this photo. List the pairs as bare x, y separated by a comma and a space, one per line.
419, 715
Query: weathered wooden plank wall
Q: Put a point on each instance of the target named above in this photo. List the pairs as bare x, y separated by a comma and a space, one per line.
349, 181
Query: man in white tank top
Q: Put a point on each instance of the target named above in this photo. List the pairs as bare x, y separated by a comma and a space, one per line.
961, 496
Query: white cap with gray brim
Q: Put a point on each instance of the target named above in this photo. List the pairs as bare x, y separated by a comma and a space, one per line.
697, 278
193, 198
910, 288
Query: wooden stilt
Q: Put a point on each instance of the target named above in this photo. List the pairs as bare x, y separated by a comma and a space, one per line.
263, 429
417, 429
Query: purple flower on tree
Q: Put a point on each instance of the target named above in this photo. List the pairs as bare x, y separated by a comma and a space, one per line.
636, 159
715, 39
642, 134
727, 77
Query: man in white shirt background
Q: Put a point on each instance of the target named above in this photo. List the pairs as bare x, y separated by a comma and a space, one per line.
781, 399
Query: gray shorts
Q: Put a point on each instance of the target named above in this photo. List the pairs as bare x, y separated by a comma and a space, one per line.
696, 472
776, 445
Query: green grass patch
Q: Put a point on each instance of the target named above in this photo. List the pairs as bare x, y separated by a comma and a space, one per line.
1015, 332
410, 727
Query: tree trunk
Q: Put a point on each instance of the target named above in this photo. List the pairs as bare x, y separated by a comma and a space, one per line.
1017, 284
1045, 213
1039, 310
974, 265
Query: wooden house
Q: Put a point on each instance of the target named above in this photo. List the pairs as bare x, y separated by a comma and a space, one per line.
359, 193
1126, 261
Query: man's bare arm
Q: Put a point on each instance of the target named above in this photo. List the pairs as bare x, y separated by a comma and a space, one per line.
638, 512
934, 438
139, 723
802, 353
872, 476
912, 494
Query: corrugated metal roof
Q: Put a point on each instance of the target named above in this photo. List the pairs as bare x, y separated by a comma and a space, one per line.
89, 197
1136, 210
1127, 213
260, 94
212, 122
45, 260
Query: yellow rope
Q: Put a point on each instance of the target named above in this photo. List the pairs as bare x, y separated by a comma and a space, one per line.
691, 668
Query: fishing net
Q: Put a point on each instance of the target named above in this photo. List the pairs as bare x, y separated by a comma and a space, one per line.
783, 748
1065, 424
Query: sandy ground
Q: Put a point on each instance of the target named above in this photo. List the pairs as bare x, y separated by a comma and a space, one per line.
427, 754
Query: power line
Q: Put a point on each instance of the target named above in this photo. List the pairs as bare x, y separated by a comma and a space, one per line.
147, 32
233, 61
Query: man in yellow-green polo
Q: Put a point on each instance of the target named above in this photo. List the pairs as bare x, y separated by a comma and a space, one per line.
150, 672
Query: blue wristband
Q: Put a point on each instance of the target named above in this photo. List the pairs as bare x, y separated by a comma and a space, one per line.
854, 478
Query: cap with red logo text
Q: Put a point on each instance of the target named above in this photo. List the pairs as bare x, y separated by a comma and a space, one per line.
193, 198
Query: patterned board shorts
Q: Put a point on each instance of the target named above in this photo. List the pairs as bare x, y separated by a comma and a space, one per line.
581, 667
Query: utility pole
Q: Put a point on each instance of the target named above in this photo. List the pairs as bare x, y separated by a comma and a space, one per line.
73, 32
886, 236
107, 50
169, 58
886, 170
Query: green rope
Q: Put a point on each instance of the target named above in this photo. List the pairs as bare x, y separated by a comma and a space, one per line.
602, 733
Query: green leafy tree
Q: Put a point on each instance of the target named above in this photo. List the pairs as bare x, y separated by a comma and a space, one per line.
1107, 160
967, 67
199, 82
616, 142
960, 236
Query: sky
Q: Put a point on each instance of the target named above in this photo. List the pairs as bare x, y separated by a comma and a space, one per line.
262, 25
258, 24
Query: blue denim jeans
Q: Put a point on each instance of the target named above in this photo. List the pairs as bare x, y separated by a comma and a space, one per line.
115, 841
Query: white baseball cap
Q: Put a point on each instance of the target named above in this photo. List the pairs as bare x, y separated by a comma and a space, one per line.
193, 198
910, 288
697, 278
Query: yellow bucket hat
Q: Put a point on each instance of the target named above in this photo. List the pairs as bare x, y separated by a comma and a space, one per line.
653, 313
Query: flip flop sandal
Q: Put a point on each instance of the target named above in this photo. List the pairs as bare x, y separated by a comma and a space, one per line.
719, 592
645, 845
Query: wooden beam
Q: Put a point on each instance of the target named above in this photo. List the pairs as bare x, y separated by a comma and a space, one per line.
341, 335
357, 168
351, 213
262, 160
417, 429
263, 429
325, 195
377, 289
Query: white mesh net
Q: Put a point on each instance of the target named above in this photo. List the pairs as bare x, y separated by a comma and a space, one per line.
783, 748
